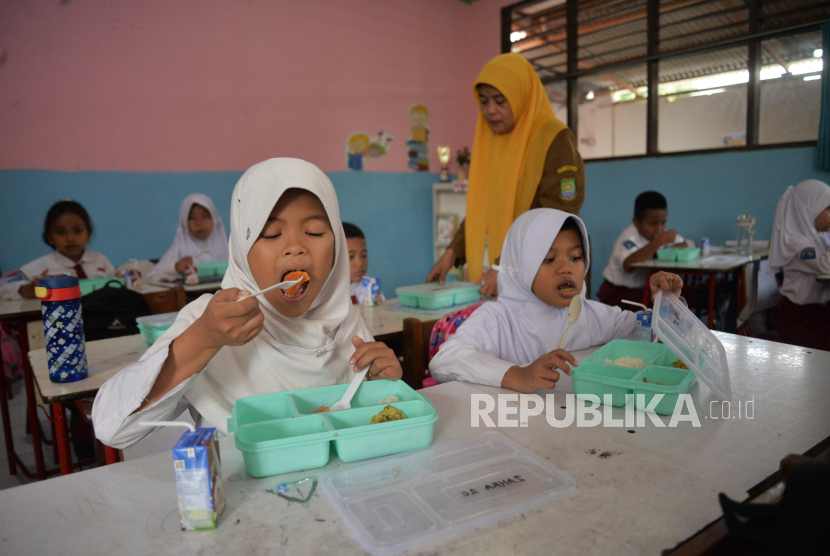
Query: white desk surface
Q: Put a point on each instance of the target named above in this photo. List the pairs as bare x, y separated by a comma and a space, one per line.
388, 319
712, 263
15, 308
657, 489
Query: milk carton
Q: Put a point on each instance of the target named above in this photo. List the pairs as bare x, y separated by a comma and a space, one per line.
371, 291
199, 479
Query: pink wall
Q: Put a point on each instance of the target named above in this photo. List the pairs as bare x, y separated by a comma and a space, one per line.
214, 85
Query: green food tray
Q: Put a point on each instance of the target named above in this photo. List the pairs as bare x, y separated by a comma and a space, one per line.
89, 285
678, 254
593, 376
206, 270
436, 296
279, 433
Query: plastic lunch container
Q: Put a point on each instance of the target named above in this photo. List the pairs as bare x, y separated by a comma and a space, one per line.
206, 270
152, 327
280, 433
678, 254
89, 285
685, 338
406, 501
436, 296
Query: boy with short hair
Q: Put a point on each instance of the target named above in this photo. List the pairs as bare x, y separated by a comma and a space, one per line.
639, 242
358, 261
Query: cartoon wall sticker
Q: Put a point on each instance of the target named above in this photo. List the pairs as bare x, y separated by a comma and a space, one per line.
417, 145
360, 148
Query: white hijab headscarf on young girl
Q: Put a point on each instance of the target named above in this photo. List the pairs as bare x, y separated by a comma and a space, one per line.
290, 353
520, 327
210, 250
795, 223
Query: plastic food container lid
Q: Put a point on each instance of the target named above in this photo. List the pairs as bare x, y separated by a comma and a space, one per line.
163, 319
692, 342
405, 501
430, 289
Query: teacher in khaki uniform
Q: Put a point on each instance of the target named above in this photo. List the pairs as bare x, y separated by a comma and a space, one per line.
523, 158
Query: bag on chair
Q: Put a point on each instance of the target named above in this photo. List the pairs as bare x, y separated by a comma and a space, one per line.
111, 311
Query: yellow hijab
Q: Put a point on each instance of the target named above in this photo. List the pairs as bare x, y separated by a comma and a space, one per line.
505, 170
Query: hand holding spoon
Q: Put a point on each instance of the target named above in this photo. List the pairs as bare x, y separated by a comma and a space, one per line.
283, 285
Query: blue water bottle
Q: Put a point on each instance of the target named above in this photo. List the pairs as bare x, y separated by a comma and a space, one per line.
63, 326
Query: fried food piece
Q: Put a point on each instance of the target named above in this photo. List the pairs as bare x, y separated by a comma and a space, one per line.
388, 413
321, 409
295, 275
679, 365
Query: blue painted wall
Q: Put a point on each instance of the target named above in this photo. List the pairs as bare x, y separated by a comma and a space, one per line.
135, 214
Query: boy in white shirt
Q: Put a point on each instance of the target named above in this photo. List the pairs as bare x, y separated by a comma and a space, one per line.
358, 261
639, 242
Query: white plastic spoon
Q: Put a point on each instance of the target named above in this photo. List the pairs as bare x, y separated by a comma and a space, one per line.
346, 401
283, 285
574, 310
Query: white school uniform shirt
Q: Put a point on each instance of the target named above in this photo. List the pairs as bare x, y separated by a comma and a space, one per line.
519, 328
289, 354
797, 249
210, 250
629, 242
356, 291
95, 265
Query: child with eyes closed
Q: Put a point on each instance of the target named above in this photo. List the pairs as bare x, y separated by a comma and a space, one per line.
284, 218
512, 342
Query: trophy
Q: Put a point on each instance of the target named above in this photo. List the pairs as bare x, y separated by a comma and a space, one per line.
444, 158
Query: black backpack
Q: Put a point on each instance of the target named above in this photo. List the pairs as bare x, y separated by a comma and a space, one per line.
111, 311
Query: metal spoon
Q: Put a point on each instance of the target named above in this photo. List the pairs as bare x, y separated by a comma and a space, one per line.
574, 310
283, 285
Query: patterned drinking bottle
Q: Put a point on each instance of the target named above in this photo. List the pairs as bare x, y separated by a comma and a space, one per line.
63, 326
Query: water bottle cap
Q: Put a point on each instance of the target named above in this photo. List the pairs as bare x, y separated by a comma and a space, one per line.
60, 287
59, 281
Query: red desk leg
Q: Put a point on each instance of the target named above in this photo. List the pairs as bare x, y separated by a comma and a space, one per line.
62, 438
112, 455
31, 404
711, 307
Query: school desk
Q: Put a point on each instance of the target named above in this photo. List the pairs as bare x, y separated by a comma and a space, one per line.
636, 493
707, 266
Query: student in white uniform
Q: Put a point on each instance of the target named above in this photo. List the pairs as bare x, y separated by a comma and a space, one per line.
799, 253
200, 238
358, 261
639, 242
284, 217
67, 230
513, 342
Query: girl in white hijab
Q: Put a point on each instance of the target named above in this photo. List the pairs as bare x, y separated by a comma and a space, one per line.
513, 342
800, 252
284, 217
200, 238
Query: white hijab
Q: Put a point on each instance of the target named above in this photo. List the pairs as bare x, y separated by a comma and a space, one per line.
519, 327
210, 250
290, 353
795, 223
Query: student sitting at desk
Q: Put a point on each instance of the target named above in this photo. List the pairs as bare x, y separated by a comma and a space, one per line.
200, 238
799, 253
358, 261
67, 230
639, 242
284, 218
512, 342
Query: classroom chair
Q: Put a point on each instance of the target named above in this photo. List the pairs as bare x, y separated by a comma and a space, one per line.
416, 335
166, 301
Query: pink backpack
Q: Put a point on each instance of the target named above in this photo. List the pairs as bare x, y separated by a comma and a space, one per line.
443, 331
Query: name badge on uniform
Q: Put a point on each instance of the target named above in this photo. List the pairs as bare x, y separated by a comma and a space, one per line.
808, 254
629, 245
567, 189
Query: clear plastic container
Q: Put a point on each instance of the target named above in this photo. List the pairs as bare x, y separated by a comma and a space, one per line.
152, 327
404, 502
280, 432
436, 296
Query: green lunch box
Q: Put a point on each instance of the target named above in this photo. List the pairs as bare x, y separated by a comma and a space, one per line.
683, 254
152, 327
280, 433
594, 376
207, 270
89, 285
436, 296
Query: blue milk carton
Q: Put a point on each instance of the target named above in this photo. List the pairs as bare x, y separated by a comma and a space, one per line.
643, 330
199, 479
371, 291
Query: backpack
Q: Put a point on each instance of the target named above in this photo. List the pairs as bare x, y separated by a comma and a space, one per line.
111, 311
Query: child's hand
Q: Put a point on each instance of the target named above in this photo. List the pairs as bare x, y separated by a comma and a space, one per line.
540, 373
666, 281
28, 290
667, 237
489, 283
228, 323
384, 362
183, 262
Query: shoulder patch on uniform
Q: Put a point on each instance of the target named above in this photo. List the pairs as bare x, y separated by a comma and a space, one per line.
629, 245
564, 169
808, 253
567, 189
